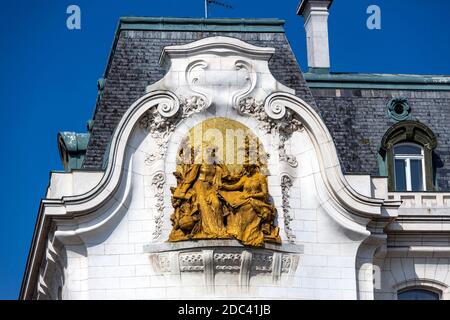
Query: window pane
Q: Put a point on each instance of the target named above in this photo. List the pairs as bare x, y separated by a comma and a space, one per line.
408, 149
416, 175
400, 177
418, 294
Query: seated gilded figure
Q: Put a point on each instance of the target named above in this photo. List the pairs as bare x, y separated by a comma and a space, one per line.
250, 216
212, 203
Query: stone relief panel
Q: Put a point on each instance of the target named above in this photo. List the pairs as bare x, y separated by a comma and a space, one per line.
222, 189
241, 265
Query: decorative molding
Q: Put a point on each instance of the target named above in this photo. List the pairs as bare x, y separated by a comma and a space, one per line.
275, 120
158, 185
262, 262
227, 261
191, 262
286, 185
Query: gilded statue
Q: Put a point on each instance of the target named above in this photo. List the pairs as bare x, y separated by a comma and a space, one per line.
251, 216
198, 210
210, 202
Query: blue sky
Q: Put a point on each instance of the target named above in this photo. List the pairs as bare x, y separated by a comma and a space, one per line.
48, 78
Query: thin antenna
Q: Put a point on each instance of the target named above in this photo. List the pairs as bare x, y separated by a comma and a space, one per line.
218, 3
222, 4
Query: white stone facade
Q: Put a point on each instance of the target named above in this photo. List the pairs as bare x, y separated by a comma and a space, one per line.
104, 235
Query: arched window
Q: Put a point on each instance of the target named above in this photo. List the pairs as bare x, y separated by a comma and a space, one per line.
417, 294
407, 157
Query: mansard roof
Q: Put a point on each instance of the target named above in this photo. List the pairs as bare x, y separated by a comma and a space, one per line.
353, 105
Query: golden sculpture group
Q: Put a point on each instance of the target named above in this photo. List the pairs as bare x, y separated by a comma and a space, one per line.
213, 202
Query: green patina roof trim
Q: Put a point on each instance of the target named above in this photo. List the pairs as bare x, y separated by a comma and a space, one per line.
378, 81
72, 149
201, 24
74, 142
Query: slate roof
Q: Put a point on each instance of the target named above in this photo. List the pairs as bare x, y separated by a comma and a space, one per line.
353, 106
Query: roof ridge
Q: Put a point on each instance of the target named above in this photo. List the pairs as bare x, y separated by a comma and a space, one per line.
201, 24
156, 19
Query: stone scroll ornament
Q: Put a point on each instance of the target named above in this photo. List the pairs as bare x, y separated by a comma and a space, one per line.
162, 121
281, 121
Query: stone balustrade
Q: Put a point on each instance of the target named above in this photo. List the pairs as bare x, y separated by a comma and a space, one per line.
435, 203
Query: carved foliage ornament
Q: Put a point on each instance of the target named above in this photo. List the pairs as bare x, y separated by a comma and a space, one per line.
280, 121
286, 185
158, 186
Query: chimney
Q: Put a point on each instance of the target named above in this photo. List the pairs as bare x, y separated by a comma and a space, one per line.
315, 13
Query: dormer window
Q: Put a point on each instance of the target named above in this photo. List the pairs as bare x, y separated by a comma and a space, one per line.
409, 168
406, 155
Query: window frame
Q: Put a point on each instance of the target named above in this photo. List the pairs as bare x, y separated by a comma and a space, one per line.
407, 158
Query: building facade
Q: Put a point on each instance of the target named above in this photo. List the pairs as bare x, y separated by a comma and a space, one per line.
349, 200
